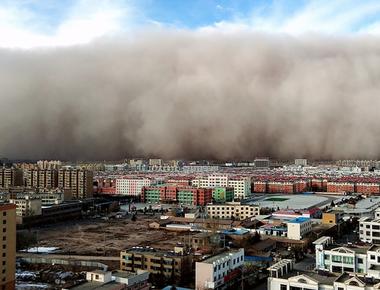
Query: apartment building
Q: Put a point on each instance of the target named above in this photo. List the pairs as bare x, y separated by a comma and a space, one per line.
10, 177
219, 271
298, 228
186, 195
171, 264
41, 178
340, 187
232, 209
8, 246
132, 186
282, 276
369, 229
78, 180
223, 194
241, 185
27, 205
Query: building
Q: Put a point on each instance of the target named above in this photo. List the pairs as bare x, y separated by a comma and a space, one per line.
300, 162
119, 280
155, 162
241, 185
223, 194
340, 259
27, 206
200, 168
332, 217
41, 178
298, 228
232, 209
341, 187
49, 164
186, 195
171, 264
262, 163
280, 187
8, 247
10, 177
282, 276
78, 180
219, 271
369, 229
131, 186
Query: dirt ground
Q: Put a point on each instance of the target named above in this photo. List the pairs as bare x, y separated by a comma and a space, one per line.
99, 237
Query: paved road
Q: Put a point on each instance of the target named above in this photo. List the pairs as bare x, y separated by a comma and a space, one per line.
67, 257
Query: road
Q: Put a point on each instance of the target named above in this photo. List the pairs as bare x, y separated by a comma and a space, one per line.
67, 257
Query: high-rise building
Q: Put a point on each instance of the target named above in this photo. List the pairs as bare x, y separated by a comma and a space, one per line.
78, 180
49, 164
8, 246
10, 177
262, 162
300, 162
41, 178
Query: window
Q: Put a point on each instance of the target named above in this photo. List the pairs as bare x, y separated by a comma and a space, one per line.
283, 287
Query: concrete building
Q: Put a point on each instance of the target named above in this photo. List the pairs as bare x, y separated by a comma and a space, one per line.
49, 164
131, 186
262, 163
298, 228
78, 180
241, 185
284, 277
219, 271
332, 217
27, 206
369, 229
173, 264
8, 246
41, 178
300, 162
232, 209
10, 177
223, 194
119, 280
340, 259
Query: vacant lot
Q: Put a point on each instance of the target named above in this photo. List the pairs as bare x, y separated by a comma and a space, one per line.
99, 237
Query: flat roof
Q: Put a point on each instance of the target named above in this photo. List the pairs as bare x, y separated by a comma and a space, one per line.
299, 220
219, 256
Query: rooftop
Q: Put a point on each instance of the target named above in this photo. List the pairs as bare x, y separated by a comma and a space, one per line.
220, 256
299, 220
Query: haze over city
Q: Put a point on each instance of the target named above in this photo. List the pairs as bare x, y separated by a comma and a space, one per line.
126, 78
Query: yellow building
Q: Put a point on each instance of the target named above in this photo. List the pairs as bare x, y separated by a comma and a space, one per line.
8, 246
332, 217
169, 264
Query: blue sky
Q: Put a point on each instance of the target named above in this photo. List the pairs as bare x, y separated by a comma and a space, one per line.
33, 23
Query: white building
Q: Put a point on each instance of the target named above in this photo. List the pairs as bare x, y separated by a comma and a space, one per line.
241, 185
27, 206
369, 229
300, 162
298, 228
131, 186
338, 259
236, 209
218, 270
283, 277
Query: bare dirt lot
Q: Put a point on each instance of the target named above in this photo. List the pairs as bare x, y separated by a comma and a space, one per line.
100, 237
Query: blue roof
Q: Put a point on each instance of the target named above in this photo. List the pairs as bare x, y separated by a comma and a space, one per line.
299, 220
